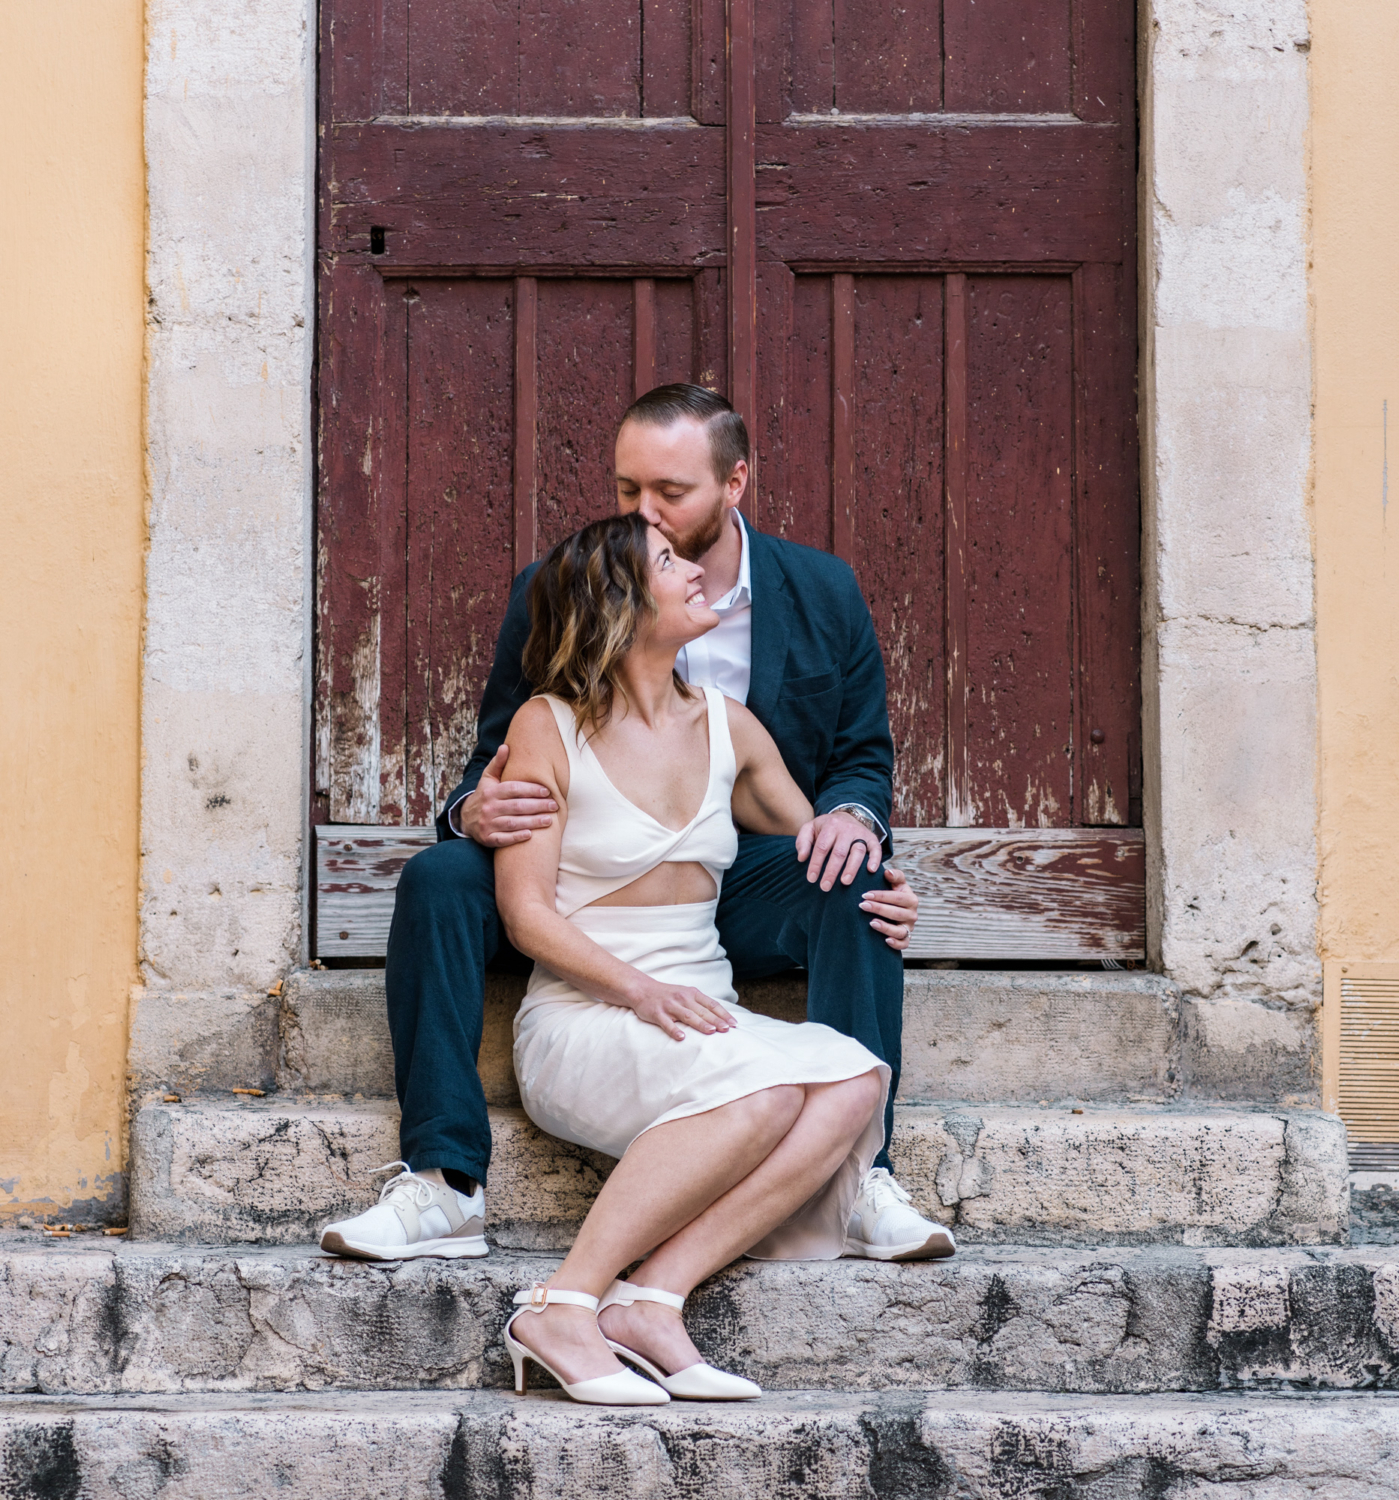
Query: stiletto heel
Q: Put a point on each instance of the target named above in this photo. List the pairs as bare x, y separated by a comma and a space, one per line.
701, 1382
626, 1388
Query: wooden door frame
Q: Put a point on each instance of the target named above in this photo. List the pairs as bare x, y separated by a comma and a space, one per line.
245, 710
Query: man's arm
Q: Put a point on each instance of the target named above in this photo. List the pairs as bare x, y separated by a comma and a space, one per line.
507, 689
860, 770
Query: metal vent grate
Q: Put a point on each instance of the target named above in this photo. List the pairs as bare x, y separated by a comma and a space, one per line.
1361, 1059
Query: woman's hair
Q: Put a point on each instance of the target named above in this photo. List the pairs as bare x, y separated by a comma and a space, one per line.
587, 604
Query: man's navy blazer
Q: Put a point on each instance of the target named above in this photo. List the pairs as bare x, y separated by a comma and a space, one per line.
817, 682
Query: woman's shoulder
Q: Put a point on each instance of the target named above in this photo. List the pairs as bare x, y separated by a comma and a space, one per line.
537, 720
746, 731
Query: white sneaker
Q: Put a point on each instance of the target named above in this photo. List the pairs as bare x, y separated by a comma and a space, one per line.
885, 1226
412, 1217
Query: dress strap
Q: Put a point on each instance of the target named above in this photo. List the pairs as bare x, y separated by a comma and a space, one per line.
568, 727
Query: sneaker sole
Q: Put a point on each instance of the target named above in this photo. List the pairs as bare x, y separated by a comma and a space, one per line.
467, 1247
935, 1247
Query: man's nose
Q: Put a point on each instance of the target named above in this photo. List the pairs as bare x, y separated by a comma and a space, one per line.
650, 511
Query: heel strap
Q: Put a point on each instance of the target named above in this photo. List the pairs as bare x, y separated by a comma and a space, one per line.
627, 1292
537, 1297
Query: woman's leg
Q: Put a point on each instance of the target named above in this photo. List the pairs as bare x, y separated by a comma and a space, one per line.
703, 1190
834, 1117
668, 1176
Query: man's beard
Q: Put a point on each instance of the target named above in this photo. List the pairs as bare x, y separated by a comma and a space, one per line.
694, 543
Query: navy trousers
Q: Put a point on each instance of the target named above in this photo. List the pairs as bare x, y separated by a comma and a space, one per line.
446, 933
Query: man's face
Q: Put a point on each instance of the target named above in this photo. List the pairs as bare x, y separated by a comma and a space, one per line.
666, 474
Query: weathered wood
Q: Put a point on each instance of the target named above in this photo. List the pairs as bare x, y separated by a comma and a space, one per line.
843, 416
526, 421
1060, 894
1019, 547
960, 806
357, 870
1063, 893
902, 240
742, 187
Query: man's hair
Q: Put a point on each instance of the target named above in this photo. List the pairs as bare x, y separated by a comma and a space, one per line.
586, 603
728, 437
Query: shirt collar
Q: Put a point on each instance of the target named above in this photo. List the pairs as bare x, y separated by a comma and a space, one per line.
742, 592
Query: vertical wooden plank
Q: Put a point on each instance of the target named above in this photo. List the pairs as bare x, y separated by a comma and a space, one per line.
813, 57
452, 73
1106, 551
960, 809
711, 324
743, 226
772, 61
526, 420
1007, 56
898, 545
391, 481
843, 416
675, 330
580, 58
665, 58
460, 519
708, 61
803, 512
643, 334
391, 56
1019, 550
1104, 38
771, 489
585, 384
887, 56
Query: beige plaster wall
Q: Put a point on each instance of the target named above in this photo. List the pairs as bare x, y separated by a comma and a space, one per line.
72, 523
1355, 284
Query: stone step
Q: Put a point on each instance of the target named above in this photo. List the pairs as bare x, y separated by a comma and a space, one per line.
88, 1317
970, 1035
275, 1170
793, 1446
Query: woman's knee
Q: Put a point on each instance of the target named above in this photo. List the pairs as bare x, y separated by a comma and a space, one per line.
774, 1111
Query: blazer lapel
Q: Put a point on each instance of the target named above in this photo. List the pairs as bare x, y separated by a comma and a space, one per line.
772, 625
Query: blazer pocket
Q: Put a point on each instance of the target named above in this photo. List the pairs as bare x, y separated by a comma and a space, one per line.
808, 687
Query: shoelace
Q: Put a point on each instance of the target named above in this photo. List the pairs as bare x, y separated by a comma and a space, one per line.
408, 1182
880, 1190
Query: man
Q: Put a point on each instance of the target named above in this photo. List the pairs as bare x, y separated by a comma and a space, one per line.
796, 644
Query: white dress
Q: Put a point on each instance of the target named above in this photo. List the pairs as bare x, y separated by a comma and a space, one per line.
598, 1075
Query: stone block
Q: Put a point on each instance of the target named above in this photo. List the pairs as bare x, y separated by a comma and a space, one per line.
188, 1041
1248, 1050
161, 1318
788, 1446
275, 1171
968, 1034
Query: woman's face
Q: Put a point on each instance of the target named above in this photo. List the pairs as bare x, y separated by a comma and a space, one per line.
682, 613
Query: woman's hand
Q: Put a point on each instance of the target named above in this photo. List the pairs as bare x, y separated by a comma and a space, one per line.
675, 1006
895, 910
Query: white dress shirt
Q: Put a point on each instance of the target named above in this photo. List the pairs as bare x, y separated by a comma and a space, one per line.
723, 658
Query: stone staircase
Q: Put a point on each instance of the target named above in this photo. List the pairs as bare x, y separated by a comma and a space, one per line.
1156, 1294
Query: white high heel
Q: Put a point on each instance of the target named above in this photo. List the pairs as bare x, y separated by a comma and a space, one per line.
701, 1382
626, 1388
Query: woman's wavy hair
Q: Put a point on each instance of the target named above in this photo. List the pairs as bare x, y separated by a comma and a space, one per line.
587, 604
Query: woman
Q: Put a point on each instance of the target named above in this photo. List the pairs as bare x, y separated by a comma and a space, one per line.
736, 1133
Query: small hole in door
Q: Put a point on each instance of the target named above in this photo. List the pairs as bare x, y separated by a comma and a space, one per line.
378, 237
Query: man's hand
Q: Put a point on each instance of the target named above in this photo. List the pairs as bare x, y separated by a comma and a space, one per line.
837, 845
895, 910
503, 812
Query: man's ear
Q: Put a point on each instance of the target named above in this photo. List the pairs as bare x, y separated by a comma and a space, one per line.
737, 483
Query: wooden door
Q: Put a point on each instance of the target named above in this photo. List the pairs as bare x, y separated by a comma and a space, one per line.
901, 237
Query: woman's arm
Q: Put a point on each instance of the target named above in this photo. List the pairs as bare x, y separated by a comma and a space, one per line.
765, 798
525, 877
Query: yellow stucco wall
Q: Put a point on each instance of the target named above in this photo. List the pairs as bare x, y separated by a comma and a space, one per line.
1355, 205
72, 522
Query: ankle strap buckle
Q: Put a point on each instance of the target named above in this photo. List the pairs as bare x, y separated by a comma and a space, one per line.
538, 1295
